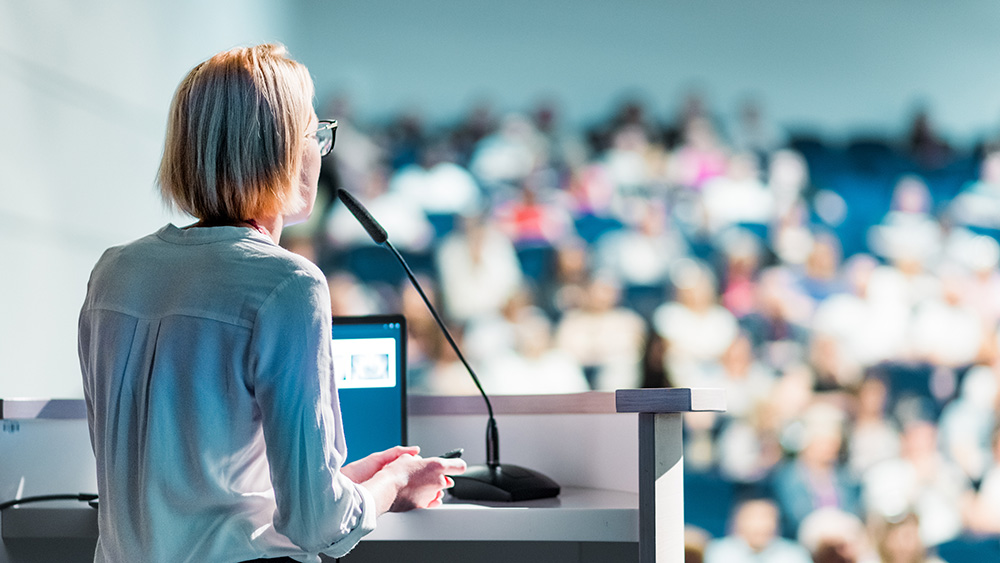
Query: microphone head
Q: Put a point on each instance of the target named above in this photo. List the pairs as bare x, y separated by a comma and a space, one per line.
375, 230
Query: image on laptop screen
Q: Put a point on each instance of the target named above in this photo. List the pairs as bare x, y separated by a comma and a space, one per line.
369, 366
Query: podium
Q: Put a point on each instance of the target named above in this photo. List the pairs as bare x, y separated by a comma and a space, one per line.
618, 457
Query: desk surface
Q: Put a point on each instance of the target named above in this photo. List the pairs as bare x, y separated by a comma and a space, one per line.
576, 515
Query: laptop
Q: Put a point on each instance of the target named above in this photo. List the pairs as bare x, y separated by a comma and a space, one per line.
369, 365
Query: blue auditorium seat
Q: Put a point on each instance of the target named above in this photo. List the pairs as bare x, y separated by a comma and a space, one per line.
537, 261
592, 227
708, 501
970, 549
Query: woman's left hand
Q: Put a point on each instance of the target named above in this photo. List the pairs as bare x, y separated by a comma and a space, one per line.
363, 469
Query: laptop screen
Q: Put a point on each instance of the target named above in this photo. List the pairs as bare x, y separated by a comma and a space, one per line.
369, 364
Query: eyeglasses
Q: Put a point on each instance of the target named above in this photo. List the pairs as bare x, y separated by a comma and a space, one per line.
325, 135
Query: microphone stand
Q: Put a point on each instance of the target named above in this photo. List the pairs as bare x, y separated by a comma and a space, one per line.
493, 481
492, 435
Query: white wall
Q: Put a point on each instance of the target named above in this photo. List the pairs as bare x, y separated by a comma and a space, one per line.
85, 85
841, 64
84, 91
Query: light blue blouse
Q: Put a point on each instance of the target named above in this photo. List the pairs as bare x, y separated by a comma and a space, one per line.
213, 415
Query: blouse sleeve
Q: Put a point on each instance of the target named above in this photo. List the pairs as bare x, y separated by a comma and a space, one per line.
318, 508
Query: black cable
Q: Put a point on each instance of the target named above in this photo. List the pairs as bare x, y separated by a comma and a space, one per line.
82, 497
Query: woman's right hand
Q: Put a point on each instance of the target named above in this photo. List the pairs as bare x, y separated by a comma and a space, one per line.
411, 481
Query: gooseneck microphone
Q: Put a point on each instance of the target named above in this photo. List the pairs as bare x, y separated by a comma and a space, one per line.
493, 481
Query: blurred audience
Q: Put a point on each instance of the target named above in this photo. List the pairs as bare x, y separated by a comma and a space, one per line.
478, 268
898, 540
696, 328
828, 292
754, 537
816, 478
603, 337
923, 481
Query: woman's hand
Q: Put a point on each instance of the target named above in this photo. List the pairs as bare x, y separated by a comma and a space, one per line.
364, 469
411, 481
426, 481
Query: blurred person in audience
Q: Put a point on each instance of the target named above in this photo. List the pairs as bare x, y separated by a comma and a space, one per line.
909, 221
979, 255
697, 329
820, 276
492, 335
700, 158
872, 436
642, 256
747, 381
754, 538
505, 159
944, 330
788, 180
423, 336
479, 122
923, 481
444, 373
791, 235
534, 366
692, 106
436, 184
834, 370
638, 171
571, 272
653, 366
737, 197
564, 146
978, 204
899, 540
866, 325
749, 442
923, 143
603, 337
625, 160
754, 133
835, 536
534, 217
792, 396
741, 252
695, 541
589, 190
303, 245
404, 139
630, 113
747, 384
986, 509
908, 275
967, 422
349, 298
749, 447
816, 478
776, 323
408, 227
478, 268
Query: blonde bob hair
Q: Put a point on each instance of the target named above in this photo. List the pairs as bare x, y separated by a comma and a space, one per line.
235, 136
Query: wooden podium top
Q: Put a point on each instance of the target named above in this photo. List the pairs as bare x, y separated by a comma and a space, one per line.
671, 400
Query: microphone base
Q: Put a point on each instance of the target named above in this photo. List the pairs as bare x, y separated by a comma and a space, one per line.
503, 483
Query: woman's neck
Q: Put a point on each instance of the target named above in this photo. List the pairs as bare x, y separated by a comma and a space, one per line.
270, 226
